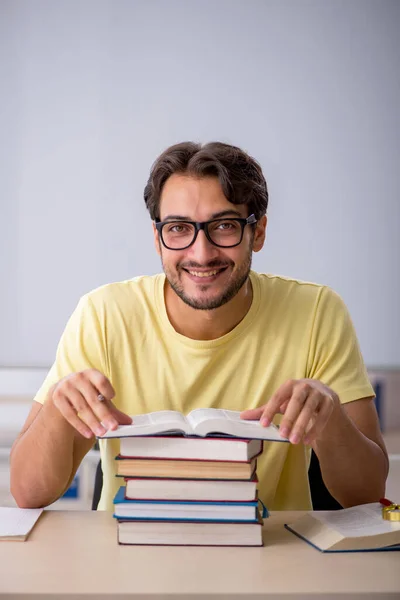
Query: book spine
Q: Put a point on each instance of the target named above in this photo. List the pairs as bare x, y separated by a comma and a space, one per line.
182, 503
208, 501
121, 519
189, 460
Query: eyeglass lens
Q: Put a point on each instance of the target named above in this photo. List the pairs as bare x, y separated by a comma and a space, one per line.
224, 233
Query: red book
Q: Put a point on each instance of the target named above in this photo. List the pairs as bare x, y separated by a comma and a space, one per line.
190, 448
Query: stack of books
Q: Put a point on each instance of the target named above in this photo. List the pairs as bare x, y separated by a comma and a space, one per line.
187, 489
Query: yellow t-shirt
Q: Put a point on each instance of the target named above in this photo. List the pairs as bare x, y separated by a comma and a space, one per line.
293, 330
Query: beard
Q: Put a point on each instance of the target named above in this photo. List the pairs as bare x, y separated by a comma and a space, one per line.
232, 288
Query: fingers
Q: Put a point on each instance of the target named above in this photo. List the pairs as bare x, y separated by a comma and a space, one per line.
306, 405
100, 409
69, 412
122, 418
276, 402
76, 397
252, 413
306, 415
323, 417
294, 408
301, 409
100, 382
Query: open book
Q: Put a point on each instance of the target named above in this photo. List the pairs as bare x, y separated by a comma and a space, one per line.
200, 422
349, 529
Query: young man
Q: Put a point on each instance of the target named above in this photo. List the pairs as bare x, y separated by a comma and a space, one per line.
209, 332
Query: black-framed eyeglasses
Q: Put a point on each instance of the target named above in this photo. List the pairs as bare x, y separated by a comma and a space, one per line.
224, 233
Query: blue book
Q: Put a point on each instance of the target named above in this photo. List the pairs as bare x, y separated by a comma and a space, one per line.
357, 529
174, 510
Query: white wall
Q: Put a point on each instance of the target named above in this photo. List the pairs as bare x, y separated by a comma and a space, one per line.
93, 90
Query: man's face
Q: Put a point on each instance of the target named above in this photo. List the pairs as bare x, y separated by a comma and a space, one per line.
205, 276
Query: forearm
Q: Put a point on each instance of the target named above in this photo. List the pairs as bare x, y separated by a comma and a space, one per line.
354, 468
42, 459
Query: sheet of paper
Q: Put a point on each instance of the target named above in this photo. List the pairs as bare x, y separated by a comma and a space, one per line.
17, 521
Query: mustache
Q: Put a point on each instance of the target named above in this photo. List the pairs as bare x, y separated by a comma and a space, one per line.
213, 264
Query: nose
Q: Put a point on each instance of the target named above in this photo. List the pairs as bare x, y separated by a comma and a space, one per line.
203, 251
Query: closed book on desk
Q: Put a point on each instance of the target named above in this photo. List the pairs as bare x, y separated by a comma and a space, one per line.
140, 488
185, 469
179, 510
360, 528
17, 523
191, 448
187, 533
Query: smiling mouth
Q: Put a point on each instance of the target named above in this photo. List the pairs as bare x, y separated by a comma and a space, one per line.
205, 274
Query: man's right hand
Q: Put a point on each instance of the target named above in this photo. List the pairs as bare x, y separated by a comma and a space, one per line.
77, 399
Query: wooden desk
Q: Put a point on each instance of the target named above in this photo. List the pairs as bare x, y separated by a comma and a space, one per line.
76, 553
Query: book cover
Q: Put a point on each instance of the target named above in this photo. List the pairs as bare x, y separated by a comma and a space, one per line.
186, 510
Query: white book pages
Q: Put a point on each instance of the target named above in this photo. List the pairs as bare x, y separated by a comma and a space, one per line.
151, 423
358, 521
16, 523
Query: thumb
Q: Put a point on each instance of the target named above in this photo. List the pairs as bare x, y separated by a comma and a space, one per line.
252, 413
122, 418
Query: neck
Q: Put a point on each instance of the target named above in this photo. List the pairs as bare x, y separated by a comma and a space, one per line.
207, 324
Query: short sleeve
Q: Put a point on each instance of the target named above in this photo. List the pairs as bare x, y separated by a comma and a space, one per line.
334, 353
81, 347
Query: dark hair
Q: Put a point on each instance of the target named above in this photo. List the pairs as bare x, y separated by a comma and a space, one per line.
240, 176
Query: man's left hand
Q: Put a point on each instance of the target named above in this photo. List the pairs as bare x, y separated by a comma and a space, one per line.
307, 405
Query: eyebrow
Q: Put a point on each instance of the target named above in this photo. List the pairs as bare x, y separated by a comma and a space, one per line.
223, 213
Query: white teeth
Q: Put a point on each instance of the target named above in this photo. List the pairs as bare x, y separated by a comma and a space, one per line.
207, 274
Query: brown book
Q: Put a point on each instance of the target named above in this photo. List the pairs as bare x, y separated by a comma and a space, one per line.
185, 469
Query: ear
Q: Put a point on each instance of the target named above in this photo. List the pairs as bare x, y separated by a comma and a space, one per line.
259, 234
156, 239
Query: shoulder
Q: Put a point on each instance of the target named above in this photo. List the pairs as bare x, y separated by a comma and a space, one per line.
284, 283
129, 295
282, 286
291, 292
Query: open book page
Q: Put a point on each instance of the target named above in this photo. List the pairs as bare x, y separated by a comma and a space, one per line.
152, 423
199, 415
358, 521
215, 420
160, 417
16, 523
